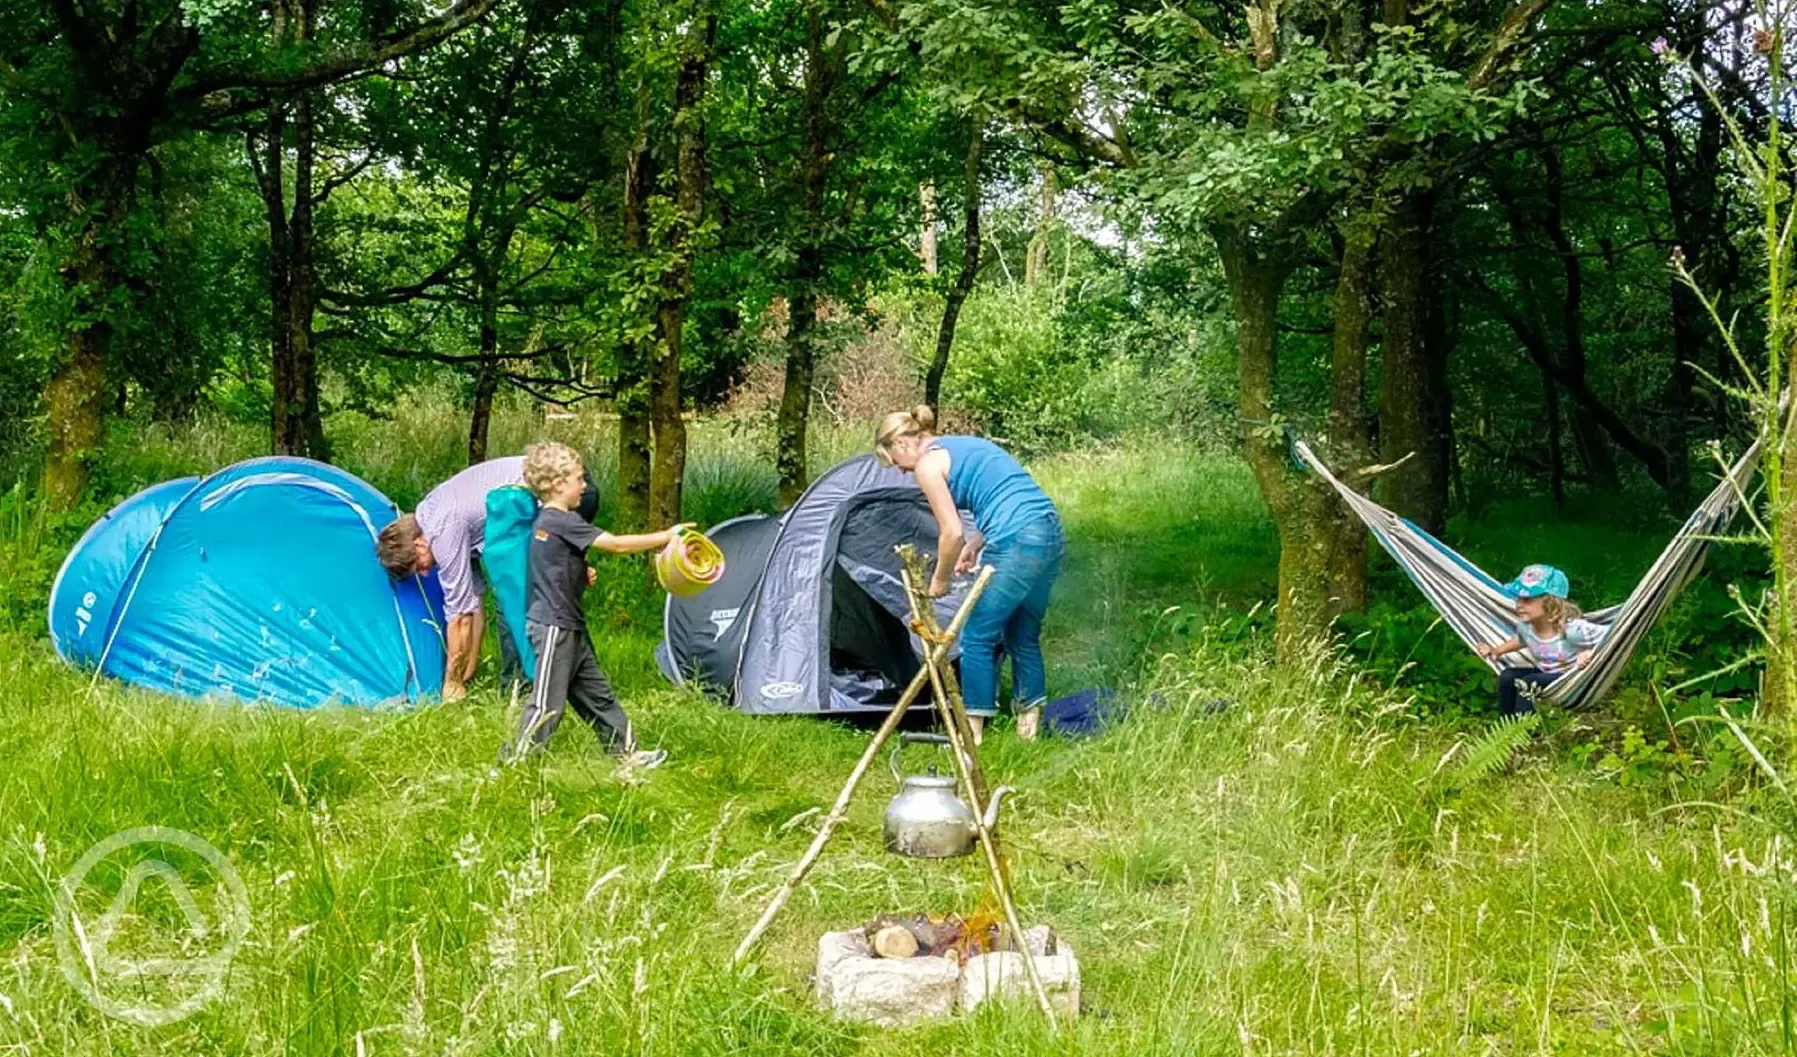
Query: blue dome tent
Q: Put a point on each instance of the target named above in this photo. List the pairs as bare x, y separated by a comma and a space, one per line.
258, 582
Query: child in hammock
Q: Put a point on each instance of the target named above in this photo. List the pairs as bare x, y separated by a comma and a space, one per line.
1552, 630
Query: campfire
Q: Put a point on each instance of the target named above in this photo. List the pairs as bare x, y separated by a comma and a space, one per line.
902, 969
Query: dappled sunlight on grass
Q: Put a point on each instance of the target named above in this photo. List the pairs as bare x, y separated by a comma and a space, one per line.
1148, 529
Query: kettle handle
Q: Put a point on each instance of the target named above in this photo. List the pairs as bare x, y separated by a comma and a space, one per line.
910, 737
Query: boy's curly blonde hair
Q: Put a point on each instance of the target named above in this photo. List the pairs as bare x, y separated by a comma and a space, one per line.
549, 465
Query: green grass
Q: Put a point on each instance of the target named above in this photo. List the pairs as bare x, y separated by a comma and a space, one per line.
1310, 871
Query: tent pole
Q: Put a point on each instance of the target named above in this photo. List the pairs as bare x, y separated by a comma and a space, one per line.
934, 653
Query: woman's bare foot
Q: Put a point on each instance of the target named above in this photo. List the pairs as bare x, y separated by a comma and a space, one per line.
978, 723
1029, 721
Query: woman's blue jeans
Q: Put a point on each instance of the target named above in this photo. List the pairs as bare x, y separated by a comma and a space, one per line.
1008, 618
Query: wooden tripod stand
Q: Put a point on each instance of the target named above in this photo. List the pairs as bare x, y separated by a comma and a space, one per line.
963, 746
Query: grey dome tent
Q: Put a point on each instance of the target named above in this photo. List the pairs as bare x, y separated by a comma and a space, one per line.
810, 615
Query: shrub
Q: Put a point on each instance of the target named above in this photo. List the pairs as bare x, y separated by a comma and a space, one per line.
1011, 373
32, 545
722, 486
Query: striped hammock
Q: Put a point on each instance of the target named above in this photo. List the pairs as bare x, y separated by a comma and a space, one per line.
1480, 612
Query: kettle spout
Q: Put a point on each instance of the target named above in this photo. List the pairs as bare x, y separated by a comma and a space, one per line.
991, 819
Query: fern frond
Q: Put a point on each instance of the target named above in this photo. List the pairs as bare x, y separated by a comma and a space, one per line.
1492, 751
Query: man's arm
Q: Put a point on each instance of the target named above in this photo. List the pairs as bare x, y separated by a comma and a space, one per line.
461, 600
465, 633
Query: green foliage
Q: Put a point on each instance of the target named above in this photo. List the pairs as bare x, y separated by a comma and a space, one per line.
1697, 757
1491, 751
721, 486
1108, 345
1011, 372
31, 547
1636, 760
1404, 642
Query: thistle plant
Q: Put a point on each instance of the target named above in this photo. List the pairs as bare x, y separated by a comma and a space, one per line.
1762, 385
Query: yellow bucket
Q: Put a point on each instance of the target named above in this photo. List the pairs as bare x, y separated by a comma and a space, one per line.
689, 563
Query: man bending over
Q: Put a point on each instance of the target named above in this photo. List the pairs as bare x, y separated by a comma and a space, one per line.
447, 533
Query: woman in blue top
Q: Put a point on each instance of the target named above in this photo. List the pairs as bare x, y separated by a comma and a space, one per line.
1020, 532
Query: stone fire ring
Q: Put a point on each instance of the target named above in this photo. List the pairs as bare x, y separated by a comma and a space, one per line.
896, 992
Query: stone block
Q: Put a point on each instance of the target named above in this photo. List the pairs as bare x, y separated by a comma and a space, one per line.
891, 992
1002, 976
832, 949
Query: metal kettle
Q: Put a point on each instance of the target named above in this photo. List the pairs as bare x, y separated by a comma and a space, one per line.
927, 819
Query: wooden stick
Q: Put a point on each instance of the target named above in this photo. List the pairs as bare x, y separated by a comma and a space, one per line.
954, 713
933, 654
917, 571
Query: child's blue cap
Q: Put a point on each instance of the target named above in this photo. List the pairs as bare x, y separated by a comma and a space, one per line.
1536, 581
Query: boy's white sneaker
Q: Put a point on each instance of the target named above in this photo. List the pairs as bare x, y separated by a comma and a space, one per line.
646, 760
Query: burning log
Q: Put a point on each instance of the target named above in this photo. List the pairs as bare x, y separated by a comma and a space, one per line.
951, 936
858, 983
894, 941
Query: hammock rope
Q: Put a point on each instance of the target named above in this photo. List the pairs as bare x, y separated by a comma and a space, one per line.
1476, 607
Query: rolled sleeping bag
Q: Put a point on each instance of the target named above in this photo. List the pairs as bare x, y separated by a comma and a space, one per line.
689, 564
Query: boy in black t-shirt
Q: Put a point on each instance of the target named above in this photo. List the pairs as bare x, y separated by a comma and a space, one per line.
567, 669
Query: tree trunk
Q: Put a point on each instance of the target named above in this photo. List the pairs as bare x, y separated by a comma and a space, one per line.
970, 265
486, 378
1690, 330
1411, 387
1594, 448
634, 459
793, 424
271, 175
297, 424
1694, 200
1438, 400
486, 386
668, 473
1343, 535
632, 402
926, 237
1305, 598
1556, 458
75, 410
1035, 262
795, 397
75, 399
305, 433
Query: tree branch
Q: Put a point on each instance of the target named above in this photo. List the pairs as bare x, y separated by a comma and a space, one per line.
416, 39
395, 295
330, 186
